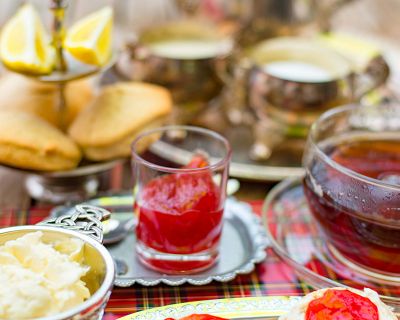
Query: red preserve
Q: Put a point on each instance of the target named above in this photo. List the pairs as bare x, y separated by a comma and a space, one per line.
181, 213
341, 305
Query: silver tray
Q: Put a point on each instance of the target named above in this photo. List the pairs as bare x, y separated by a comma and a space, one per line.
243, 245
285, 160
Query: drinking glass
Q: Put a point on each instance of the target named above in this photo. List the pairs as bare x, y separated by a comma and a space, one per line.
352, 185
180, 175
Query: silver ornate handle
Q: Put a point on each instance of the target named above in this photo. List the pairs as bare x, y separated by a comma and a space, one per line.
374, 75
85, 219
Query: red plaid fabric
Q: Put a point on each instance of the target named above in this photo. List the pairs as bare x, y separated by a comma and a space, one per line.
272, 277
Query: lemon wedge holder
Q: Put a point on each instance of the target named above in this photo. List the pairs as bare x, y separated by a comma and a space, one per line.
66, 68
83, 181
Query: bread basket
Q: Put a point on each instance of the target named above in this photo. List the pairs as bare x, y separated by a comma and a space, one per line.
84, 224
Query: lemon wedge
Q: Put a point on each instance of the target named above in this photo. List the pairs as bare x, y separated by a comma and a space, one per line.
89, 39
25, 45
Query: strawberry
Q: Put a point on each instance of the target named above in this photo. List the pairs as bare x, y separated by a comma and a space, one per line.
199, 160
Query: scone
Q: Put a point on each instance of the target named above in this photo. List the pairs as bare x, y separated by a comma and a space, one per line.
18, 93
340, 303
28, 142
106, 129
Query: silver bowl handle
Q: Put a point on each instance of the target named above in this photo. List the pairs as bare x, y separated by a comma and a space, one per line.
85, 219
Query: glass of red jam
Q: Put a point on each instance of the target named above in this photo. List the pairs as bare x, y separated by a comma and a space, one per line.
352, 185
180, 175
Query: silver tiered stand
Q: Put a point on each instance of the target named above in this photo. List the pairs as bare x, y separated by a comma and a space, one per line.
84, 181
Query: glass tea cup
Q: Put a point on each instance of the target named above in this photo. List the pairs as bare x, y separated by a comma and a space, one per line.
180, 176
352, 185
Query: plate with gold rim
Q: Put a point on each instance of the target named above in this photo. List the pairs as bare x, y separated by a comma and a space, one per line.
270, 307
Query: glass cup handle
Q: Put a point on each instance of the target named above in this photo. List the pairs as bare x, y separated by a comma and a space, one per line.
84, 219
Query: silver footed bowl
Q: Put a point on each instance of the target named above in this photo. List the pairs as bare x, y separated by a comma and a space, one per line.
83, 224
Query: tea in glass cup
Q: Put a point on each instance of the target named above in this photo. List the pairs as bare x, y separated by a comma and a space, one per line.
180, 190
352, 184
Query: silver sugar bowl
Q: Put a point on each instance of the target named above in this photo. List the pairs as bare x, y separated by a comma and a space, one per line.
184, 57
287, 82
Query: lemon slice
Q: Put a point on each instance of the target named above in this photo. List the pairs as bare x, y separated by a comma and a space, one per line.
24, 44
89, 39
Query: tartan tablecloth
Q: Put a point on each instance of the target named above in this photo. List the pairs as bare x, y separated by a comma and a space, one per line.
272, 277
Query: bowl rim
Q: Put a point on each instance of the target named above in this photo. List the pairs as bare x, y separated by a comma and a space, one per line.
108, 281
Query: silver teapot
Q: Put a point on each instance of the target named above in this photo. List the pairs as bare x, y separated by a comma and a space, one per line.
256, 20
